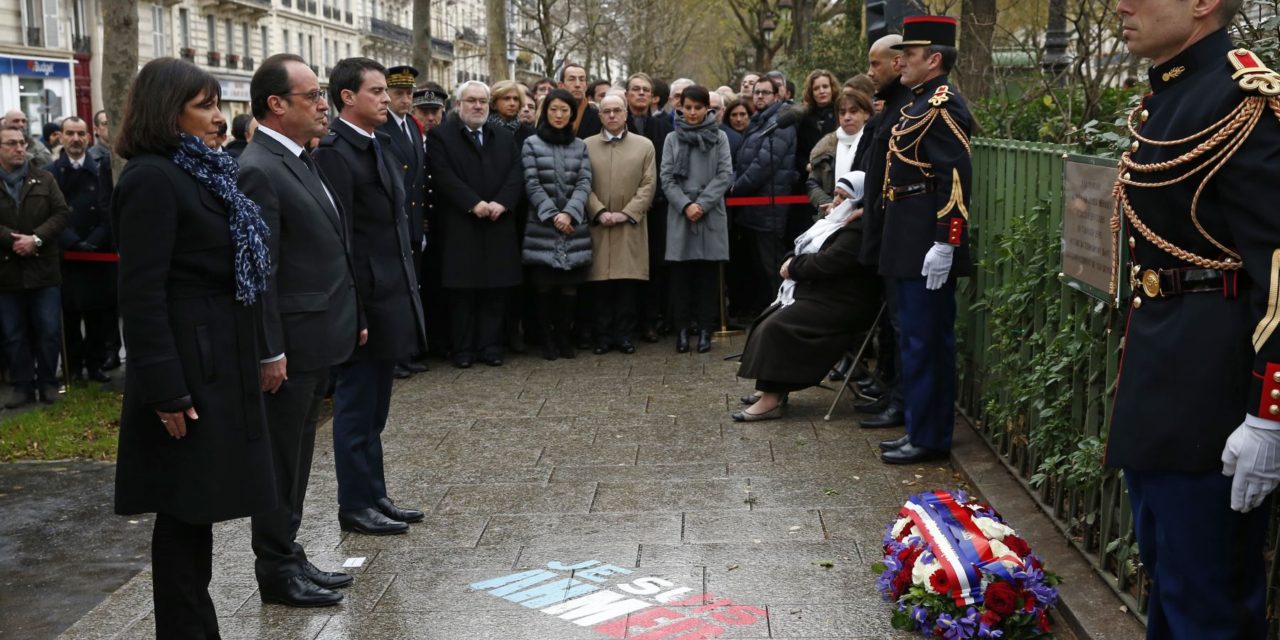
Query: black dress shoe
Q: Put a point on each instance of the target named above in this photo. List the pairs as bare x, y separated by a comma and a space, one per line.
649, 335
682, 341
111, 363
550, 352
462, 362
871, 408
415, 367
493, 361
872, 389
390, 510
299, 591
326, 579
841, 370
49, 394
600, 349
704, 341
911, 454
98, 375
626, 347
370, 522
890, 445
20, 399
401, 372
891, 417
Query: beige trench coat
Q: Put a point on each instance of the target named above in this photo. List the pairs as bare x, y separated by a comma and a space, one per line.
623, 178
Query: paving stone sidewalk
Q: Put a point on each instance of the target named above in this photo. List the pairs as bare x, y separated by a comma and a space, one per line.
629, 461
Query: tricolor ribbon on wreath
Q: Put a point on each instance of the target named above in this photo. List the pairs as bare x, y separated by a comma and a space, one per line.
957, 542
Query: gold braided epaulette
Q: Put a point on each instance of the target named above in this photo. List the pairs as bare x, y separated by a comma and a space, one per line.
1252, 75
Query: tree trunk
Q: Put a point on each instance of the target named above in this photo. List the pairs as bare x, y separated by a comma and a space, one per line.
977, 31
496, 12
422, 49
119, 64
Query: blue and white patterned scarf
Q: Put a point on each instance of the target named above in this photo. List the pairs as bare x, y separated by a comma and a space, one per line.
217, 171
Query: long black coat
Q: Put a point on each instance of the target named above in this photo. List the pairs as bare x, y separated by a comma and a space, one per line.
475, 253
85, 285
310, 310
870, 157
410, 158
386, 281
835, 299
190, 344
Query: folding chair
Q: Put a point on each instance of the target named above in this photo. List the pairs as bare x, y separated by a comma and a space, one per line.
848, 379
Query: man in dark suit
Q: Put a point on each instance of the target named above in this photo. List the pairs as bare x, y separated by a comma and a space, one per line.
366, 184
310, 314
652, 302
428, 112
88, 287
477, 173
409, 153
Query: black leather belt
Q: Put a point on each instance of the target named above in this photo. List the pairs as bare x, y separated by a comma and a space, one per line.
1164, 283
897, 192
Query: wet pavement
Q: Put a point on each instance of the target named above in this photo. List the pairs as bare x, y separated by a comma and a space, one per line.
618, 476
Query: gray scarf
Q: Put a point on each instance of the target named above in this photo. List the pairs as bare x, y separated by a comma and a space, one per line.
702, 136
13, 181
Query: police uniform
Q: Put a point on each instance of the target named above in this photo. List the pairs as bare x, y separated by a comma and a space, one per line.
926, 196
1196, 195
437, 321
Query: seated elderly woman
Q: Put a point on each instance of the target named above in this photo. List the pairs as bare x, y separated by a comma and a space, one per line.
826, 299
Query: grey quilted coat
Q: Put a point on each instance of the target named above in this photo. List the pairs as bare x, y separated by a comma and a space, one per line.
557, 178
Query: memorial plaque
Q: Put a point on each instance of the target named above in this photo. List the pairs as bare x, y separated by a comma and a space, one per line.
1087, 249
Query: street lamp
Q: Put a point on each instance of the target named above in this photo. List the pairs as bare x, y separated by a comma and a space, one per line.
768, 25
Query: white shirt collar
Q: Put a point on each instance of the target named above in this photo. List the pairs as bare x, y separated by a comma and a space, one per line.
609, 137
292, 146
398, 120
356, 129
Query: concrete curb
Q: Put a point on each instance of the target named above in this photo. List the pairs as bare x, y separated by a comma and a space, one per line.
1087, 605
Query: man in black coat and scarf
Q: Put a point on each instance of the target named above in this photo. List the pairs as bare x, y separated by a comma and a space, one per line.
365, 181
655, 127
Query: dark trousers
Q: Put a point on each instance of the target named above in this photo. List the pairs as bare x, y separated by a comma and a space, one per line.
181, 568
1205, 560
767, 251
615, 309
889, 356
435, 300
87, 345
475, 321
695, 294
292, 413
653, 304
927, 339
360, 404
30, 326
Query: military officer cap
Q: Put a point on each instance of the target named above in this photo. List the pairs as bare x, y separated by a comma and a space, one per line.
429, 97
403, 76
922, 31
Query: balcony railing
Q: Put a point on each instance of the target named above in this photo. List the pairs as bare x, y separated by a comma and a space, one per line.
251, 8
442, 47
215, 59
34, 37
390, 31
81, 44
248, 64
188, 54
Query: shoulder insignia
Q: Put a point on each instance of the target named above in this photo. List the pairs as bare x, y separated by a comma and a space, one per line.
1252, 75
1172, 73
940, 96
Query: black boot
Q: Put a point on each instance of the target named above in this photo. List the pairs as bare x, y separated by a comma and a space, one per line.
682, 341
543, 308
564, 326
704, 340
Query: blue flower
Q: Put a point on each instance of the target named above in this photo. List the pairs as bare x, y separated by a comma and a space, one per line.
920, 615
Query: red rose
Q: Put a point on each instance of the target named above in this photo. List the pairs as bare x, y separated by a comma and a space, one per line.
1042, 622
1000, 598
940, 582
900, 583
1031, 601
990, 618
1017, 545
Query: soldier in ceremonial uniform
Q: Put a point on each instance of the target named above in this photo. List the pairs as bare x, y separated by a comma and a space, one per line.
1196, 419
428, 110
925, 241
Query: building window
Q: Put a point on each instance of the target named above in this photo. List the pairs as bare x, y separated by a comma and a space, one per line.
160, 30
211, 28
246, 50
327, 61
348, 49
311, 49
184, 27
302, 47
231, 36
285, 40
266, 43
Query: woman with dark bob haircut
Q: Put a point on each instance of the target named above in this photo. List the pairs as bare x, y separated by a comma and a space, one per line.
193, 263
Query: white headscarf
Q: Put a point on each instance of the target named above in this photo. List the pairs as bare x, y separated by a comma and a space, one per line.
811, 241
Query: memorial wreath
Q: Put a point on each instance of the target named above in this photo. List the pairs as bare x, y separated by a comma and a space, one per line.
954, 569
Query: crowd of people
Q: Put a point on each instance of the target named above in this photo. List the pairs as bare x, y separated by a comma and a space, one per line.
345, 234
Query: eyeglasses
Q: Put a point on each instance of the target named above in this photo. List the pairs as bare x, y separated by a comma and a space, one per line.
760, 92
610, 112
315, 97
14, 143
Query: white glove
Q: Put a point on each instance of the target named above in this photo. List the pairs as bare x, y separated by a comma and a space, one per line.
937, 264
1252, 458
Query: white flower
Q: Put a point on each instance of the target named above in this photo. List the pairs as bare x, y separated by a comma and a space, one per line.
999, 550
992, 529
899, 526
922, 570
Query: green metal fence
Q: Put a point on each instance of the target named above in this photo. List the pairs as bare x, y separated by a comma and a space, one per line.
1010, 179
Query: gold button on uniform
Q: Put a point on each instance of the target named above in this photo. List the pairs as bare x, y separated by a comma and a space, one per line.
1133, 147
1125, 176
1274, 410
1275, 394
1132, 242
1144, 115
1276, 377
1137, 302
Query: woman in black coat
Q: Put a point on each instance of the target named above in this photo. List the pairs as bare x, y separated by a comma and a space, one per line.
193, 261
828, 298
